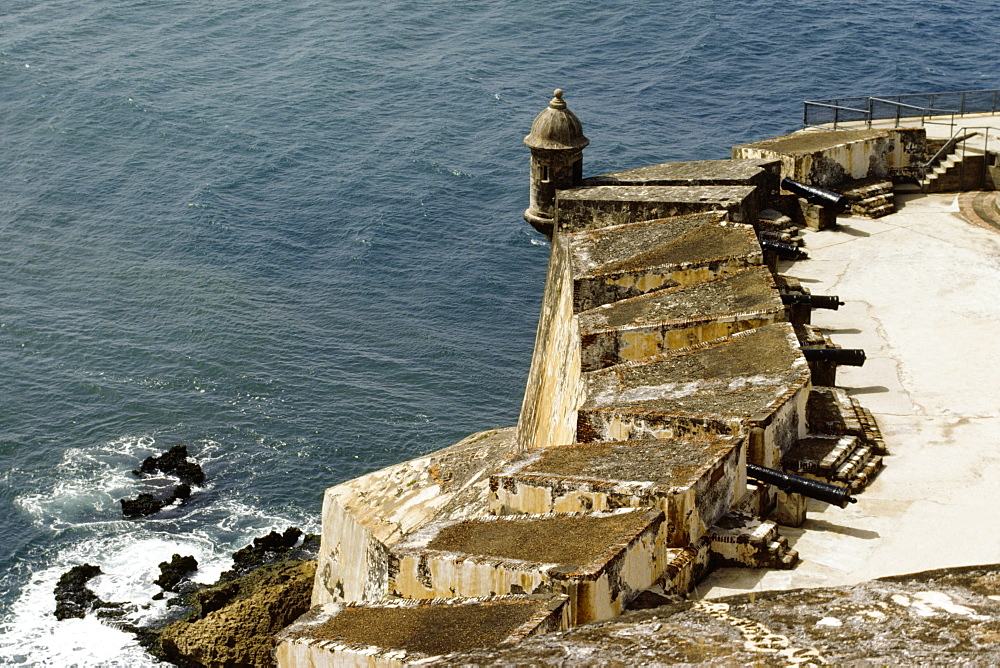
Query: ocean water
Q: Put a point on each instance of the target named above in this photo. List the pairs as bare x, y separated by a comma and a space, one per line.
288, 235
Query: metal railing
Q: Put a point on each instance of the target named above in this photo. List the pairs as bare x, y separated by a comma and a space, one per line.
961, 136
897, 107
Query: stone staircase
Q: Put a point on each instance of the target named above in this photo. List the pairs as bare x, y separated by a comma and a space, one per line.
743, 540
871, 199
947, 174
844, 445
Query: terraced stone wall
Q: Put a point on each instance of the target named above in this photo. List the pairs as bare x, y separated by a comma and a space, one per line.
555, 389
831, 158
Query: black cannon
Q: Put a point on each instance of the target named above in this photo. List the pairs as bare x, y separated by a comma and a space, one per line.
784, 251
844, 356
827, 199
814, 489
831, 302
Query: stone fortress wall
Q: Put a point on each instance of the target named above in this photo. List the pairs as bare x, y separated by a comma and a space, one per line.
666, 361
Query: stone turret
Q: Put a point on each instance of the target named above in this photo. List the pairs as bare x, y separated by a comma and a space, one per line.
556, 141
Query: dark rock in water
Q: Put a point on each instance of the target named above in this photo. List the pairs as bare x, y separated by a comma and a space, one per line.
173, 462
147, 504
141, 506
264, 550
174, 571
74, 599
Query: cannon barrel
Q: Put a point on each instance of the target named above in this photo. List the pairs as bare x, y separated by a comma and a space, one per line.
814, 489
831, 302
845, 356
828, 199
784, 251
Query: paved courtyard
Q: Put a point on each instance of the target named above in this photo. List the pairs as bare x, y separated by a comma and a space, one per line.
922, 288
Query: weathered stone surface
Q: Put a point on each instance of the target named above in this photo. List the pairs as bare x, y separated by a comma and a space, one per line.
397, 631
693, 482
947, 616
754, 382
601, 206
695, 173
675, 318
237, 627
554, 389
623, 261
763, 174
829, 158
600, 560
364, 517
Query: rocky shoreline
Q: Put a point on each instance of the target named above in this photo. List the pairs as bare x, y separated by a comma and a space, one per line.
230, 622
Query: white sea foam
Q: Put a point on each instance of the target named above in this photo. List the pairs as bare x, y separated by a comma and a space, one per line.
81, 509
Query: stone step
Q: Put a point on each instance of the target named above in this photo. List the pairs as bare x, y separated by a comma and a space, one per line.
600, 560
819, 455
640, 327
872, 434
692, 482
754, 378
741, 539
877, 212
876, 200
854, 464
401, 631
867, 474
623, 261
867, 191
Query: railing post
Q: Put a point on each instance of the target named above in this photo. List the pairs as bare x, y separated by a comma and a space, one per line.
961, 168
869, 113
962, 108
836, 114
994, 102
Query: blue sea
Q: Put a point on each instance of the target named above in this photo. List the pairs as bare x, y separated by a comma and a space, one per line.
288, 235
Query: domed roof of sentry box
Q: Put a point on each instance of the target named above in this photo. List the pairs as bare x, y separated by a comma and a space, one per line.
556, 127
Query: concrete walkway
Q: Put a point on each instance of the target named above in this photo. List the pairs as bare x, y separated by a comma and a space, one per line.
922, 288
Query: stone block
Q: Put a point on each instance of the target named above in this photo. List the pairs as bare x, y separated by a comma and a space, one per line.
394, 633
693, 482
592, 208
600, 560
624, 261
675, 318
815, 217
743, 540
790, 510
363, 518
752, 380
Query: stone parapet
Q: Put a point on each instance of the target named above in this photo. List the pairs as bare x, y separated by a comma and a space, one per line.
580, 209
675, 318
694, 483
599, 560
393, 633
